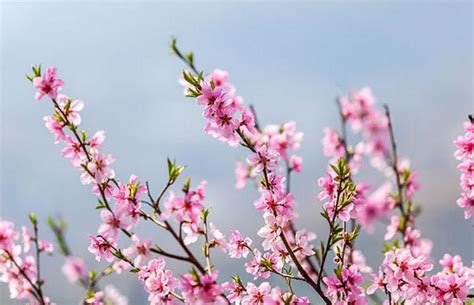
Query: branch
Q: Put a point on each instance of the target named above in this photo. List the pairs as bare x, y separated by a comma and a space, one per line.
394, 165
38, 262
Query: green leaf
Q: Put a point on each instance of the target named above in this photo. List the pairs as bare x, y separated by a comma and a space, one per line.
173, 46
33, 218
36, 70
100, 205
335, 169
190, 57
186, 185
92, 275
173, 170
204, 214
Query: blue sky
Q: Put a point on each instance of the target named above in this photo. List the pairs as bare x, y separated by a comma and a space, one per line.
287, 59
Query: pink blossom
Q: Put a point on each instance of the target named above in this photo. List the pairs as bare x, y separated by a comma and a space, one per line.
97, 140
282, 138
296, 163
47, 84
111, 223
273, 202
210, 96
238, 246
220, 78
465, 144
393, 227
358, 259
119, 266
73, 151
187, 207
242, 174
346, 288
264, 158
45, 246
192, 232
302, 239
27, 238
209, 290
451, 263
236, 290
467, 203
377, 282
201, 290
332, 143
70, 108
114, 296
102, 248
375, 206
74, 268
260, 265
7, 235
343, 214
55, 128
140, 249
453, 289
158, 281
217, 238
276, 183
99, 169
329, 187
272, 229
96, 299
256, 295
247, 121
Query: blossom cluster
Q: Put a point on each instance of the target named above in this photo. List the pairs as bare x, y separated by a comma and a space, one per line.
122, 206
465, 153
336, 271
19, 262
264, 293
269, 150
405, 278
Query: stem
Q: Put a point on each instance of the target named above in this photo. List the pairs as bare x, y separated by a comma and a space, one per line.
288, 276
344, 246
348, 156
170, 255
181, 56
38, 268
343, 120
156, 206
207, 253
251, 147
394, 164
330, 234
191, 258
35, 292
288, 176
255, 119
92, 284
291, 224
180, 298
300, 268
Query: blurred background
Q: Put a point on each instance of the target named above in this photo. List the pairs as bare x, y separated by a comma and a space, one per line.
290, 60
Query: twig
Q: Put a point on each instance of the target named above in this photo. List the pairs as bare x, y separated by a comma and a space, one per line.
394, 165
38, 263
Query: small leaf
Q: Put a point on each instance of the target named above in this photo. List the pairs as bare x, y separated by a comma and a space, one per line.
33, 218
